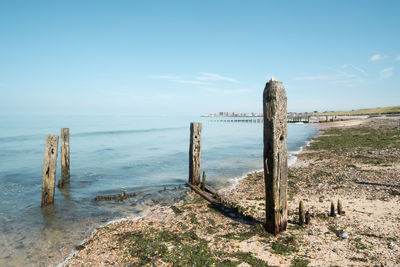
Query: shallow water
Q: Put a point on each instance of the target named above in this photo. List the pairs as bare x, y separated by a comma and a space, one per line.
110, 154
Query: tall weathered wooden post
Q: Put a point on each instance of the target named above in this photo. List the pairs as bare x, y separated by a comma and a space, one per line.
65, 172
275, 156
195, 153
49, 169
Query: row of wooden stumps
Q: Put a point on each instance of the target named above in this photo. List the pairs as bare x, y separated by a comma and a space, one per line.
50, 165
305, 218
275, 158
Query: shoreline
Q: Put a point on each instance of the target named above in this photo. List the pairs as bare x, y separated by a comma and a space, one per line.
236, 245
148, 212
235, 184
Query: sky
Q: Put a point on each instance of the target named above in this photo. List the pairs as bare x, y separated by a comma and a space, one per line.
196, 57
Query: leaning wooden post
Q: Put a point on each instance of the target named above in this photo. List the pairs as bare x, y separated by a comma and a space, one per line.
65, 172
275, 156
195, 153
49, 169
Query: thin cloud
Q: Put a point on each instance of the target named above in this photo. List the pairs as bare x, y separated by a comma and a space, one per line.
165, 77
363, 72
386, 73
398, 58
316, 78
226, 91
177, 79
376, 57
338, 77
204, 76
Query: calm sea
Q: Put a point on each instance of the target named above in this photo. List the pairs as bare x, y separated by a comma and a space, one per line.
110, 154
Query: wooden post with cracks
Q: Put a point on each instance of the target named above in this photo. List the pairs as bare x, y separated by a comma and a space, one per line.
194, 153
49, 169
275, 156
65, 157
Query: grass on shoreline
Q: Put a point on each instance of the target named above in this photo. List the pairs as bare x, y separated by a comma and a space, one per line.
359, 143
368, 111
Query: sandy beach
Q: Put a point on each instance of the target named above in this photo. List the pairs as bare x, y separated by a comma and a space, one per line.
356, 161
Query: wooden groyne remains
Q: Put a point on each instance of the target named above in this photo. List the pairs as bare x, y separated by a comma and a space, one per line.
275, 119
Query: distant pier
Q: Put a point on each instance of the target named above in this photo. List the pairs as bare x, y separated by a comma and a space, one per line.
290, 119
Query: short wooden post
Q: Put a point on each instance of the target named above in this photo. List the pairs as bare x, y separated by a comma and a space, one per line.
195, 153
275, 156
49, 169
301, 213
332, 212
203, 181
339, 207
308, 217
65, 172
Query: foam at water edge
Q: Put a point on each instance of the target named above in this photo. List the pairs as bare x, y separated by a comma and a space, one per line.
291, 161
236, 180
291, 154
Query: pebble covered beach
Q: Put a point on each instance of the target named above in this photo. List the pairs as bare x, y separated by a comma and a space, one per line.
356, 162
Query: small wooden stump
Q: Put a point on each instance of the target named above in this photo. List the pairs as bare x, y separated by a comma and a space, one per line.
301, 213
275, 156
195, 153
65, 157
339, 207
203, 181
49, 169
332, 212
308, 217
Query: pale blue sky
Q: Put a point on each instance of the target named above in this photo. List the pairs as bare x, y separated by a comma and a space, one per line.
195, 57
